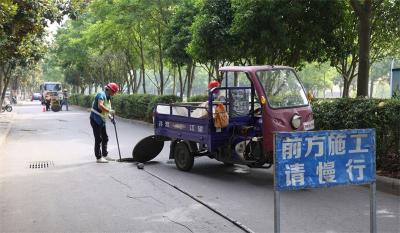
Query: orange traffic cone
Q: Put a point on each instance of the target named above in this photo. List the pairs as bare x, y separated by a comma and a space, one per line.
44, 109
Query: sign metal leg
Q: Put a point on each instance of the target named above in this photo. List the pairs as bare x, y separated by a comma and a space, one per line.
277, 214
372, 195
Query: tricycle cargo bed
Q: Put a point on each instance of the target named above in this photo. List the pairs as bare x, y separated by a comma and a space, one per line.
175, 125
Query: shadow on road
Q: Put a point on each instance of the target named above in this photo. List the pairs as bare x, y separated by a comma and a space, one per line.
218, 171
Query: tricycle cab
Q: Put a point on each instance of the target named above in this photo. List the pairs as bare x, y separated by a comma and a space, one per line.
258, 101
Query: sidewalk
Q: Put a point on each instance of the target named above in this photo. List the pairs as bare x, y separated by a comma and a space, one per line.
6, 119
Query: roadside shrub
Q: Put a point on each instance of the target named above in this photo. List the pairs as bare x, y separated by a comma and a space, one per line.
198, 98
82, 100
381, 114
164, 99
136, 106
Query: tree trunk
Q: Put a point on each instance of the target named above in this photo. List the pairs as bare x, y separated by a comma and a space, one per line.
142, 70
129, 77
188, 72
6, 74
3, 94
371, 89
160, 54
192, 76
363, 12
216, 67
174, 82
346, 88
235, 79
210, 72
134, 82
180, 82
139, 82
1, 81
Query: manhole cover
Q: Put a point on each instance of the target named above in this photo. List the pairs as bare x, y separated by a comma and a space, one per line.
41, 164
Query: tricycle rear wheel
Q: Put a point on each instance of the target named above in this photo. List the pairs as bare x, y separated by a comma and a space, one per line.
55, 107
184, 159
8, 108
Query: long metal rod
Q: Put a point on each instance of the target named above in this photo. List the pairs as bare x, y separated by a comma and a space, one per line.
372, 195
116, 135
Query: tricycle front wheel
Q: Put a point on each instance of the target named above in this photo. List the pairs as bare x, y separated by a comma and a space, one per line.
184, 159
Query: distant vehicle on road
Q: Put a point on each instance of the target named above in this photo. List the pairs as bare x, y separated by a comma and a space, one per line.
6, 107
52, 95
36, 96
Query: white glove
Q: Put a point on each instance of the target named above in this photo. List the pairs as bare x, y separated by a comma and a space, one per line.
111, 112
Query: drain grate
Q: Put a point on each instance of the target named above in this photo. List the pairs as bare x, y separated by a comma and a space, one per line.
41, 164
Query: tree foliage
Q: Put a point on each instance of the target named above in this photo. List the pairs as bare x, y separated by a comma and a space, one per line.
148, 46
383, 39
285, 32
22, 32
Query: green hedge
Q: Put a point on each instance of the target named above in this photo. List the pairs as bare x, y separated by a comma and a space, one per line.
383, 115
198, 98
82, 100
137, 106
329, 114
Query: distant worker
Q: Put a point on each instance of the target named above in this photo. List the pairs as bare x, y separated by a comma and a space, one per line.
201, 112
47, 101
213, 84
65, 99
101, 108
217, 96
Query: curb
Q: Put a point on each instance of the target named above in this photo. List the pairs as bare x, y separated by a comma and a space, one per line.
4, 135
388, 185
133, 121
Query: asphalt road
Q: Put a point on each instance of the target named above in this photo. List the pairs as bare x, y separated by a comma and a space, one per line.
76, 194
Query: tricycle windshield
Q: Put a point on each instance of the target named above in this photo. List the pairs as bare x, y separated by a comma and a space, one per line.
282, 88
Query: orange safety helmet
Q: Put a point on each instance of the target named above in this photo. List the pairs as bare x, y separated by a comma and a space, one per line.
113, 87
213, 84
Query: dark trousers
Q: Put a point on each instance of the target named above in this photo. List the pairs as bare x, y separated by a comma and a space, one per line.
100, 138
64, 102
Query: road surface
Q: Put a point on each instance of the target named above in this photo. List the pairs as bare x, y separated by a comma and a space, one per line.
76, 194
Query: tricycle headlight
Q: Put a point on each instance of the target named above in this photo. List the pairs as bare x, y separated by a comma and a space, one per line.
296, 121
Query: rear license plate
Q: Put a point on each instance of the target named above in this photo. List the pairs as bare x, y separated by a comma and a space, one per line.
308, 125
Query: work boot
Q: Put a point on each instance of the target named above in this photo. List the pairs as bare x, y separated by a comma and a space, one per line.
102, 160
108, 158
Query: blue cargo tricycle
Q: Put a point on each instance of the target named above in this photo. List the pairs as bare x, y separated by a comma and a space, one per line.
257, 100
